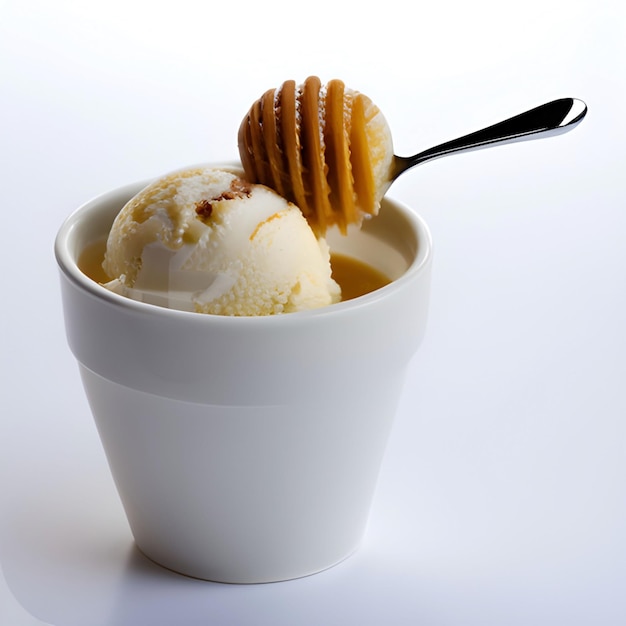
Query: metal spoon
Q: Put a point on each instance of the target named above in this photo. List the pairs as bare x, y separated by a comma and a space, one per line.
553, 118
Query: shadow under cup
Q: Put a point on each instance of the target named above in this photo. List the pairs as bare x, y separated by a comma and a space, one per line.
248, 449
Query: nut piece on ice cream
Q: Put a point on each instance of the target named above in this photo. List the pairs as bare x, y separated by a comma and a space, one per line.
326, 148
205, 240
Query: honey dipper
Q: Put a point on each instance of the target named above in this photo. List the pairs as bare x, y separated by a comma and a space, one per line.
329, 150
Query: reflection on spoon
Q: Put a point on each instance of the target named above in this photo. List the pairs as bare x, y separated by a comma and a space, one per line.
554, 118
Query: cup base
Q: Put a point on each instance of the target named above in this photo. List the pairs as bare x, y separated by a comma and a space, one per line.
242, 494
242, 579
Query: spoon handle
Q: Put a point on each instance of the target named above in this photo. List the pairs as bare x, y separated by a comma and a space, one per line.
552, 118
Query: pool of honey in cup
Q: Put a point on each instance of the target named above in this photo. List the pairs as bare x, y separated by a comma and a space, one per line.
354, 277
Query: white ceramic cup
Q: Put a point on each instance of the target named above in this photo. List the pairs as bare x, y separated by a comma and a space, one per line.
247, 449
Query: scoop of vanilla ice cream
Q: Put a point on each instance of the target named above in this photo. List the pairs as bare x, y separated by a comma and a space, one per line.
203, 239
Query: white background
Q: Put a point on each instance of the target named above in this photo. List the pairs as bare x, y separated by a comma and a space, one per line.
502, 496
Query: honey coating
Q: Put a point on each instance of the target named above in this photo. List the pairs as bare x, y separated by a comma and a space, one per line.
326, 148
355, 277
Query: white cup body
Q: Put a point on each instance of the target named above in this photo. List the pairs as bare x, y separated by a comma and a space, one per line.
247, 449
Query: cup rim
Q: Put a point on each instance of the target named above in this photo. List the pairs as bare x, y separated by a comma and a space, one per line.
68, 265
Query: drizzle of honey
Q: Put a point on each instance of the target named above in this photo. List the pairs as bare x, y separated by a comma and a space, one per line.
355, 277
90, 261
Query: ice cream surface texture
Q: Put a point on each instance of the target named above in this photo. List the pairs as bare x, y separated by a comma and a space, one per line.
204, 239
326, 148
